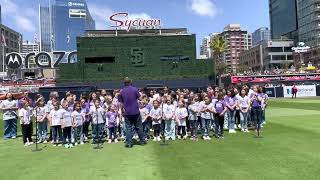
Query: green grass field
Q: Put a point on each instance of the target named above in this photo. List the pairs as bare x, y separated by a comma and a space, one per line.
289, 149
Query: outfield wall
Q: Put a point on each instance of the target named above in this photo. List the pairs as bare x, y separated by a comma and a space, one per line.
285, 91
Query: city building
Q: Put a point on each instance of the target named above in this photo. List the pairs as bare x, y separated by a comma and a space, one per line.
62, 22
309, 22
260, 35
148, 56
0, 15
28, 47
269, 55
284, 19
237, 40
12, 44
205, 47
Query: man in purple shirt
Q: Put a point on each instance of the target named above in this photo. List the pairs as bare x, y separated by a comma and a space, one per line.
128, 97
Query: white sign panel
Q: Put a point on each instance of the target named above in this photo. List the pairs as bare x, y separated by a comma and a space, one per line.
303, 91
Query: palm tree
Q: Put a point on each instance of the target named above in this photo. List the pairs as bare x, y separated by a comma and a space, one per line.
218, 46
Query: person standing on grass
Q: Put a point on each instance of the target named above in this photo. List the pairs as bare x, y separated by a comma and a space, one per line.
206, 110
66, 124
41, 114
294, 91
128, 97
181, 115
244, 106
98, 121
231, 102
25, 115
169, 118
193, 119
9, 108
145, 117
111, 124
156, 116
219, 110
55, 123
78, 118
257, 103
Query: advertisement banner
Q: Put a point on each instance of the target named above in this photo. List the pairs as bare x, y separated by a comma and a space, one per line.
271, 92
303, 91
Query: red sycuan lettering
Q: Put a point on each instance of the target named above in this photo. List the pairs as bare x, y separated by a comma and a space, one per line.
121, 20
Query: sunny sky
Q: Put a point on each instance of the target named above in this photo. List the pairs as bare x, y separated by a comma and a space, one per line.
201, 17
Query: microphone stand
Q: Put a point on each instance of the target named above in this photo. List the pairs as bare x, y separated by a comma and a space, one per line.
36, 149
163, 143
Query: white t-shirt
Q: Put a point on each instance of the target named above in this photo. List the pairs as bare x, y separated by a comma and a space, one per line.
197, 106
66, 118
243, 101
97, 114
144, 114
78, 118
40, 112
192, 112
156, 114
168, 111
55, 117
206, 115
25, 115
181, 116
9, 114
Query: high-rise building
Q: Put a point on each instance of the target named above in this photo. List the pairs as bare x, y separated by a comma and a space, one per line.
309, 22
205, 48
260, 35
64, 20
283, 19
28, 47
237, 40
12, 44
0, 15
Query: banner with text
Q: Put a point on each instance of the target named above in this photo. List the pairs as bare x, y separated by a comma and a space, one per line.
303, 91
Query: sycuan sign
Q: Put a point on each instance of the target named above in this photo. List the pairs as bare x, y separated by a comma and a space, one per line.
122, 21
52, 60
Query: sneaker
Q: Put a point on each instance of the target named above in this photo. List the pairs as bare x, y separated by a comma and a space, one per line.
30, 143
208, 138
52, 141
85, 138
54, 145
70, 146
13, 137
179, 137
76, 144
185, 137
59, 145
116, 141
243, 130
45, 142
155, 139
232, 131
158, 138
109, 141
247, 130
66, 145
39, 142
82, 143
26, 144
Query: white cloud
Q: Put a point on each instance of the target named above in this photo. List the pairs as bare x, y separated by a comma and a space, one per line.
23, 19
139, 16
100, 14
203, 7
25, 24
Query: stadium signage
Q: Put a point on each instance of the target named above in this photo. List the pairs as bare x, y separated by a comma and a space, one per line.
301, 48
52, 60
122, 21
303, 91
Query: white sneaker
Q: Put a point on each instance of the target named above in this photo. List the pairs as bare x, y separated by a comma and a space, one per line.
45, 142
76, 144
243, 130
26, 144
81, 143
39, 142
59, 145
208, 138
246, 130
30, 143
158, 138
13, 137
232, 131
154, 139
204, 137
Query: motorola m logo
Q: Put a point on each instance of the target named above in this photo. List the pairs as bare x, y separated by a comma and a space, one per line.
14, 60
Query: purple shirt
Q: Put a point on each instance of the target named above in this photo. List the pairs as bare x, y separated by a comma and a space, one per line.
256, 103
230, 100
111, 119
129, 96
219, 106
85, 109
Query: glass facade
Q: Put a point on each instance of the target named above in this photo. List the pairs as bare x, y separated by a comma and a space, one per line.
283, 18
45, 29
260, 35
309, 22
69, 19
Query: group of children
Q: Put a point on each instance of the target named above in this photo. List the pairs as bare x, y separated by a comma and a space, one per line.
169, 114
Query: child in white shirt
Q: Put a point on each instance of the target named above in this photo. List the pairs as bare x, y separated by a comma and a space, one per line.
181, 115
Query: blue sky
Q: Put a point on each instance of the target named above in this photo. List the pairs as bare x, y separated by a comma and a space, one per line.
199, 16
